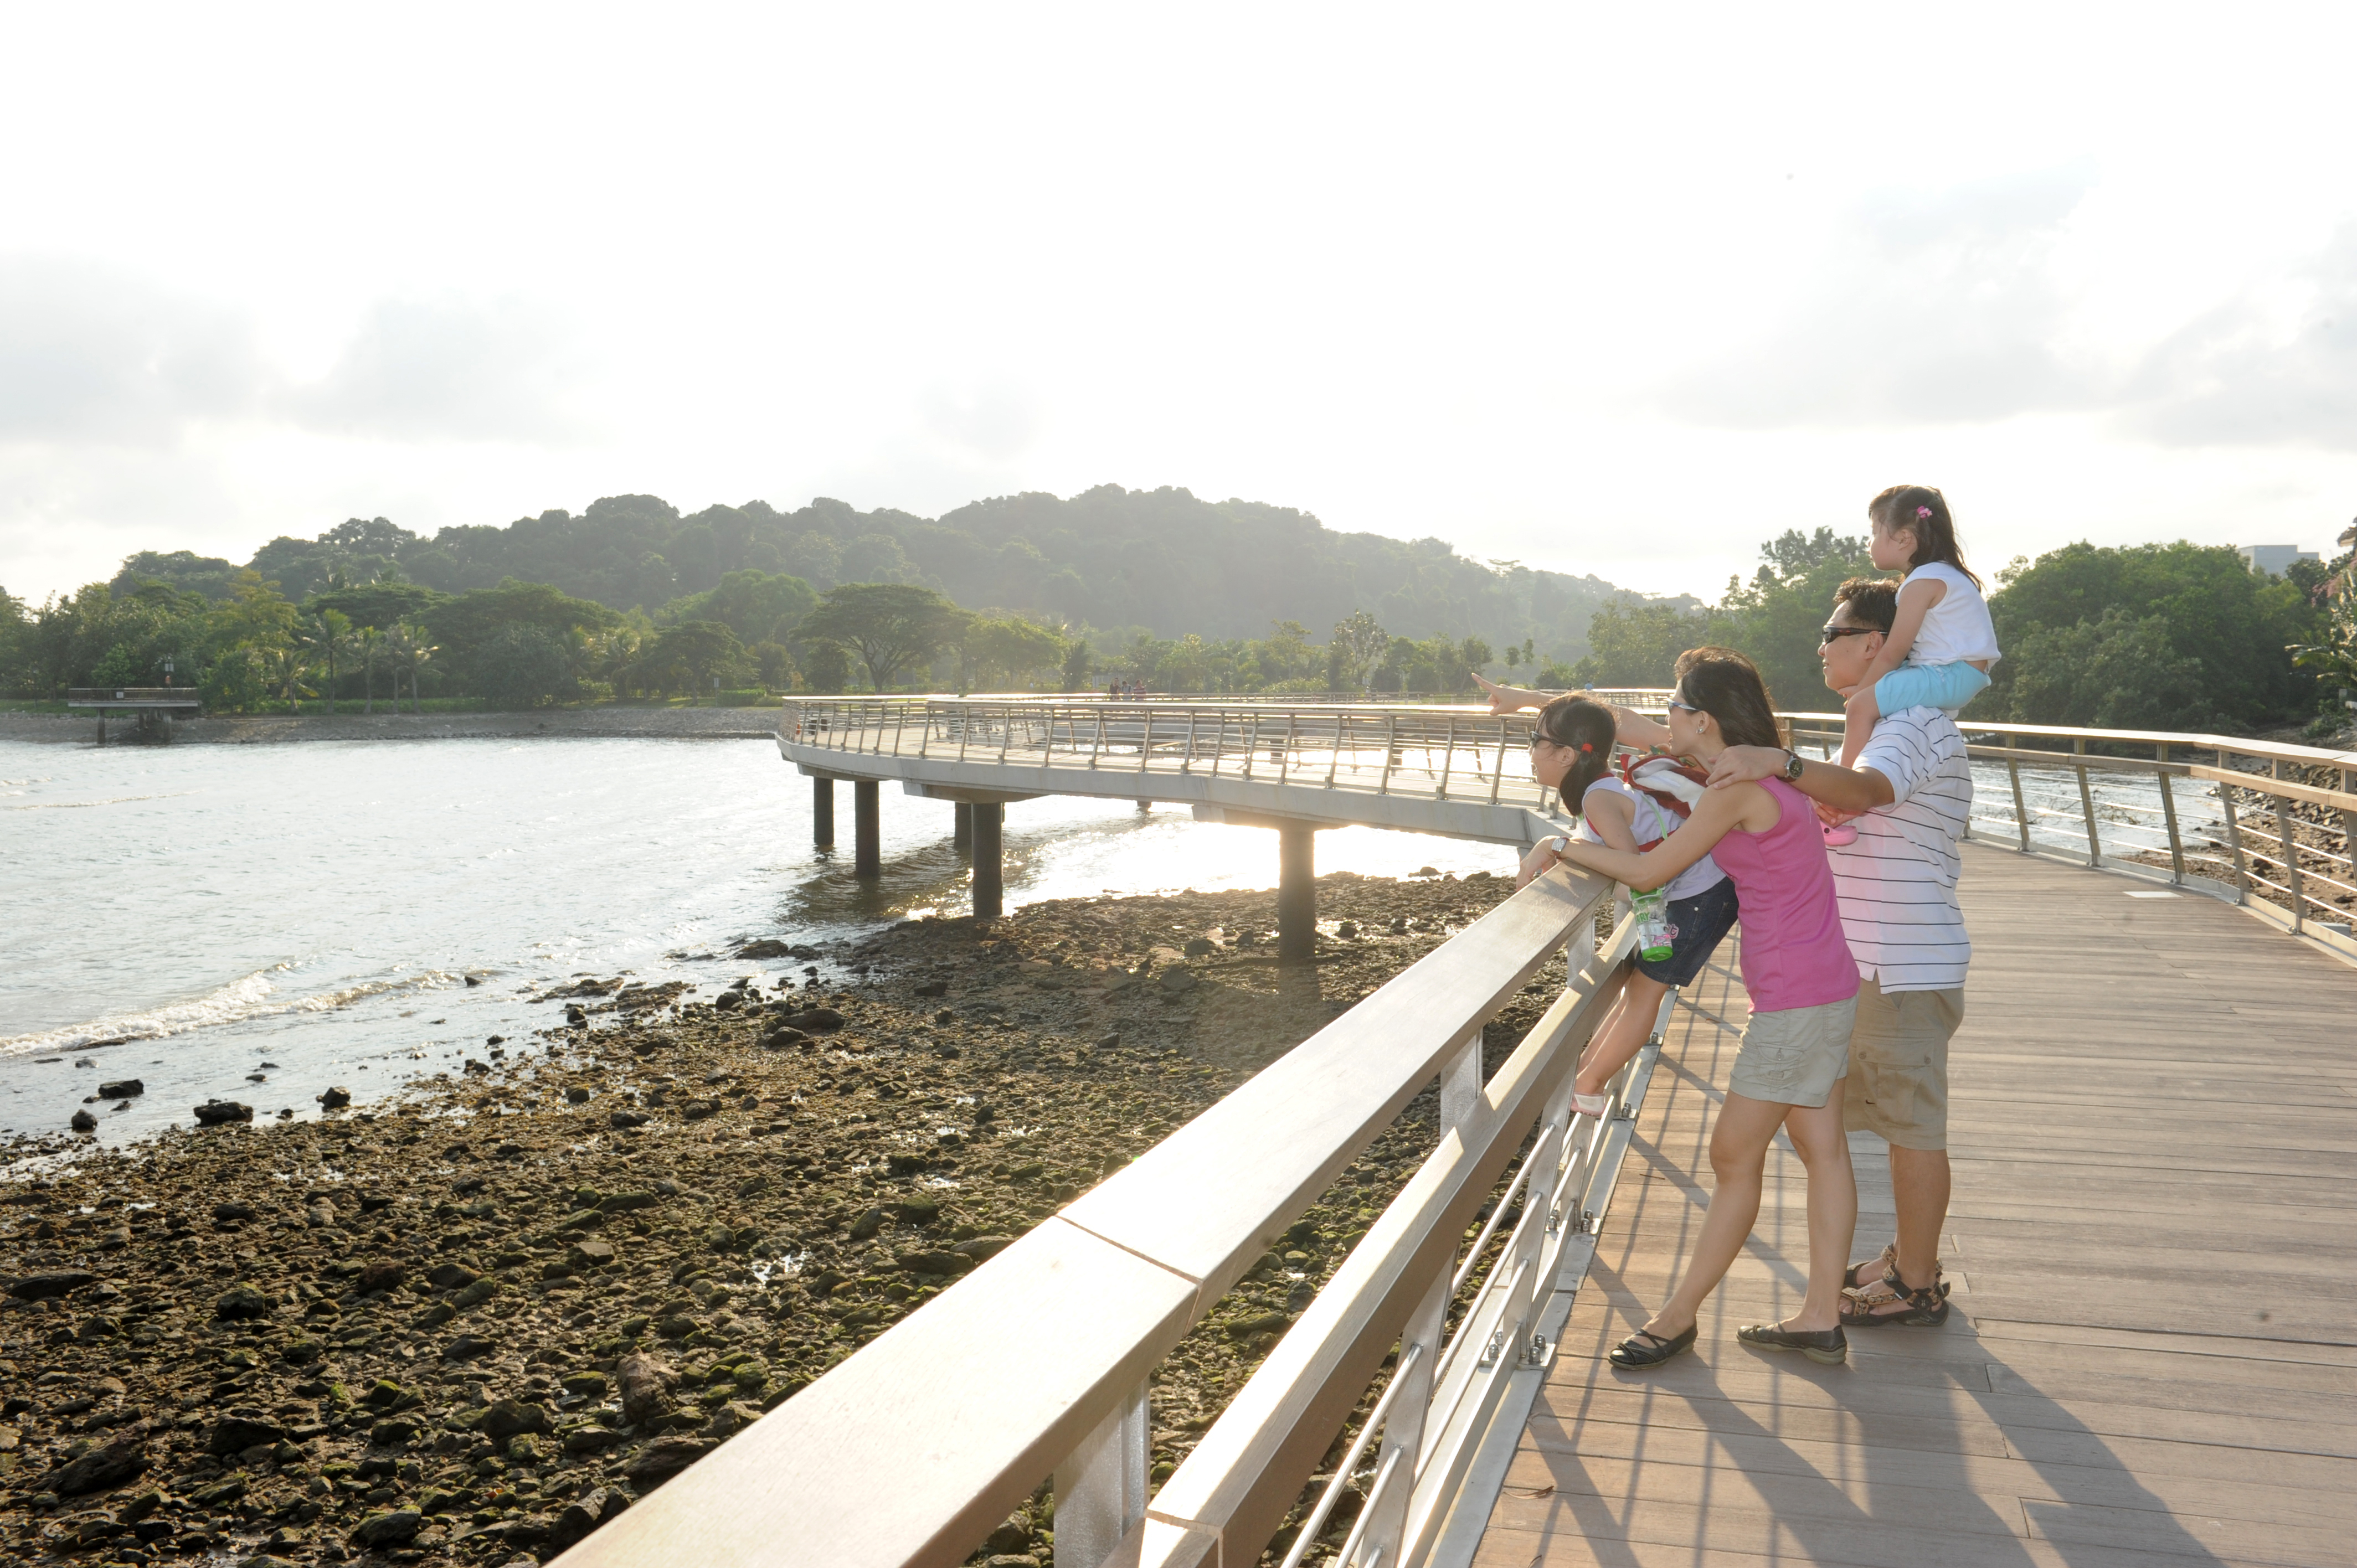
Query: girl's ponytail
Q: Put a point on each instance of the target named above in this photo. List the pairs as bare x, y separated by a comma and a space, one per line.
1586, 729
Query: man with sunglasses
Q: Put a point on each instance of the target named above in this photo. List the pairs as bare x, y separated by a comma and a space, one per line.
1912, 793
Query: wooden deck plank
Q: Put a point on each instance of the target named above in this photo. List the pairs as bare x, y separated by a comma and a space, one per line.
2153, 1357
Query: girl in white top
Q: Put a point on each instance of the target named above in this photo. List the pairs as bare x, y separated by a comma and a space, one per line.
1941, 643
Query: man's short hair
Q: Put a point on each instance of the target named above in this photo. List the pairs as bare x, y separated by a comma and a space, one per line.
1872, 601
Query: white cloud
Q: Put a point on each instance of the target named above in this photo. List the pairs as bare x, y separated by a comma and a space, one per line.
2275, 366
89, 354
449, 367
1928, 307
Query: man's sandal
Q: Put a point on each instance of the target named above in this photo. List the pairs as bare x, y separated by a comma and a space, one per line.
1870, 1306
1865, 1276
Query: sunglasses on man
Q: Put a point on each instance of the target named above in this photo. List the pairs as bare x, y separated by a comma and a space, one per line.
1832, 632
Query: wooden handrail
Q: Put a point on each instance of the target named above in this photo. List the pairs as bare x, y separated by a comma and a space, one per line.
891, 1459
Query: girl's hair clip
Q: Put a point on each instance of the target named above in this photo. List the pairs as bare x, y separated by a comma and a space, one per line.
1586, 746
1923, 511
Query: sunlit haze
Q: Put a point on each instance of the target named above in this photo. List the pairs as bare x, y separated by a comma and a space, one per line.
1600, 290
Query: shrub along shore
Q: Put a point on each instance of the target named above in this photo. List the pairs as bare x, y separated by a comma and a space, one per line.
481, 1317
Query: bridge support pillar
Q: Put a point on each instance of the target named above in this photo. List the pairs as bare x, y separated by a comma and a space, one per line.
962, 831
866, 829
989, 890
1296, 892
101, 726
822, 812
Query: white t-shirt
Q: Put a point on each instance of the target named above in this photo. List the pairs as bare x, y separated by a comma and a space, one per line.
1651, 821
1957, 628
1897, 884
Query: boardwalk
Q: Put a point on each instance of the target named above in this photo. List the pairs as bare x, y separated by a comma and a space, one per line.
2154, 1246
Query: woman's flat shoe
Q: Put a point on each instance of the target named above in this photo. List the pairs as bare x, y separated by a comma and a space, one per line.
1594, 1105
1645, 1350
1828, 1346
1838, 835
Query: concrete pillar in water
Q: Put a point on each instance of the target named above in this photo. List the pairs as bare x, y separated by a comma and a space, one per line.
1297, 892
866, 829
822, 812
101, 726
962, 829
989, 891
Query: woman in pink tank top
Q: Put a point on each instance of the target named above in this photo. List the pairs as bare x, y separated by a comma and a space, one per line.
1803, 988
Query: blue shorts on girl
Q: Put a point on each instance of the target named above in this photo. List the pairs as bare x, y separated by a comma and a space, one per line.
1702, 900
1947, 687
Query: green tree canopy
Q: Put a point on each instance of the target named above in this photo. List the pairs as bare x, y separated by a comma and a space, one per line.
893, 626
2148, 636
758, 607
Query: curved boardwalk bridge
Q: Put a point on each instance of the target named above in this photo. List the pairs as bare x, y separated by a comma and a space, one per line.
2154, 1128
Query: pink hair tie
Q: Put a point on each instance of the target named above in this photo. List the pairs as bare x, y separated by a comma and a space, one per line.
1923, 511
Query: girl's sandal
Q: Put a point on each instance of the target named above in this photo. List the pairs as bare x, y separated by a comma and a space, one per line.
1646, 1349
1594, 1105
1887, 1300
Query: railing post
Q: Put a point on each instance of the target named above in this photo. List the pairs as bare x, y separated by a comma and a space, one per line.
1252, 746
2176, 841
1498, 774
1006, 728
1097, 745
1334, 758
2087, 805
1101, 1485
1285, 759
899, 722
1186, 763
2021, 807
2234, 843
1391, 751
2290, 858
1447, 759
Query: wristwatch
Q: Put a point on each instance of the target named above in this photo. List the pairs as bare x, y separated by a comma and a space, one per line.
1556, 845
1792, 766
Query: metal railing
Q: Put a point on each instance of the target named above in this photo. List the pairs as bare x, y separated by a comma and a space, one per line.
2266, 825
1040, 1362
1462, 753
142, 696
2263, 823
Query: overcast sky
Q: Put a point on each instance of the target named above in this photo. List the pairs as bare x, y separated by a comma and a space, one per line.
1593, 290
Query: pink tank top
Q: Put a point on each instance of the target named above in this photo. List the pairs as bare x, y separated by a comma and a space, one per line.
1795, 954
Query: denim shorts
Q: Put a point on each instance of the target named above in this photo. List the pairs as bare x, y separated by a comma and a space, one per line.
1696, 924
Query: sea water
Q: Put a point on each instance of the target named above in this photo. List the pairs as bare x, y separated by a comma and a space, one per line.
259, 923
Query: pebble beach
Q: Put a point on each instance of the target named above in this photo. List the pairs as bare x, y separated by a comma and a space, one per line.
473, 1321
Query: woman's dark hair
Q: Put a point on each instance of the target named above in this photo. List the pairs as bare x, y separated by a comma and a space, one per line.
1726, 685
1587, 728
1923, 511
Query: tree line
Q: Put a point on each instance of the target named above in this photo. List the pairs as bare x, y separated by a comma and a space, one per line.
2176, 636
2179, 636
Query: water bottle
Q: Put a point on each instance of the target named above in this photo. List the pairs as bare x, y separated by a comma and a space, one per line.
1653, 928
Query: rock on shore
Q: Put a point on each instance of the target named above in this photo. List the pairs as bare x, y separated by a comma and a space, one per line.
481, 1319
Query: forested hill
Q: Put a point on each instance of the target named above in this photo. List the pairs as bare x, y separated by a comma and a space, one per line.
1160, 561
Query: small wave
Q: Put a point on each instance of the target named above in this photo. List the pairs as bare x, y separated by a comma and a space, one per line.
81, 805
251, 996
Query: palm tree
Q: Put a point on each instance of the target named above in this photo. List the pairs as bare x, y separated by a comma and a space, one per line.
407, 646
372, 643
328, 633
287, 667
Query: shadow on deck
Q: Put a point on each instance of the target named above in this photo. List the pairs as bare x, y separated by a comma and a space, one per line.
2154, 1359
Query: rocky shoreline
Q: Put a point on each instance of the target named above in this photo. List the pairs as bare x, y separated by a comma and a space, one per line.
280, 729
475, 1321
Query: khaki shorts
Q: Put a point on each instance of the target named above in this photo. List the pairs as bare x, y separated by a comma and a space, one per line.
1900, 1052
1796, 1057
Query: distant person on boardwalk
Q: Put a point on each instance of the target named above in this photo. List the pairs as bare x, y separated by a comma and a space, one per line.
1911, 792
1571, 753
1938, 649
1803, 988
